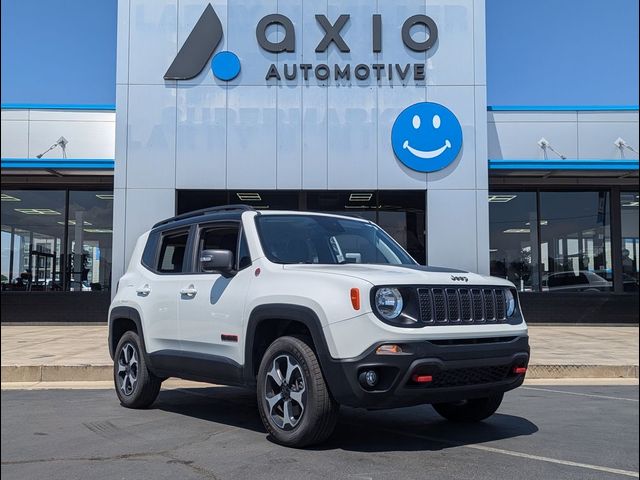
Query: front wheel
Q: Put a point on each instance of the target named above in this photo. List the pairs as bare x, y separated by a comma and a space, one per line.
472, 410
293, 399
136, 386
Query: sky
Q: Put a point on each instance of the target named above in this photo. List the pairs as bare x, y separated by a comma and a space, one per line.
539, 52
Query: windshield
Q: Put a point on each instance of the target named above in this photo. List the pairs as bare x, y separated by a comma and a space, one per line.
327, 240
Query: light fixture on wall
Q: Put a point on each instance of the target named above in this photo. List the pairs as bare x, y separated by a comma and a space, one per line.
9, 198
249, 197
501, 198
621, 144
37, 211
543, 223
73, 222
544, 144
360, 197
62, 143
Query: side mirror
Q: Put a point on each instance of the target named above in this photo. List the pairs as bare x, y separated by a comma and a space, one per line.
216, 261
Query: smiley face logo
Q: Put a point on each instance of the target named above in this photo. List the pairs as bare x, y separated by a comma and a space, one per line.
426, 137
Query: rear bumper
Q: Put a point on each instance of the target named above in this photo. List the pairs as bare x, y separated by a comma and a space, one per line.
459, 370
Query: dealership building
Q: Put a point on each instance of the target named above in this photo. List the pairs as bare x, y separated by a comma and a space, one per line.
489, 135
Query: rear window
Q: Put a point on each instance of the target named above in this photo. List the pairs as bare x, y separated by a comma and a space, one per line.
172, 252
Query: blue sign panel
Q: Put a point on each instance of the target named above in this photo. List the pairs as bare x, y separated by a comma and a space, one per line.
426, 137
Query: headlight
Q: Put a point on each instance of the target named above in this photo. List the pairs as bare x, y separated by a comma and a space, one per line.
388, 302
511, 302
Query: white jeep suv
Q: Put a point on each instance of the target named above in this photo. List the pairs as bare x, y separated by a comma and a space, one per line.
313, 311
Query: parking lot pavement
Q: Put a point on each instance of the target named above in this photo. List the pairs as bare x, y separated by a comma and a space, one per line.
554, 431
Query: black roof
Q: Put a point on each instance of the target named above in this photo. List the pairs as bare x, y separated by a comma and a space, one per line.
238, 209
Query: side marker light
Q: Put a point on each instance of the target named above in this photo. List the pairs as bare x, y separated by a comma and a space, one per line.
355, 298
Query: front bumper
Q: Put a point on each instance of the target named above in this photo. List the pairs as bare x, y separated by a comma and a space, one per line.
460, 369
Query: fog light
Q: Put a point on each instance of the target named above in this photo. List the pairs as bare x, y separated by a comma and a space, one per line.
519, 370
368, 378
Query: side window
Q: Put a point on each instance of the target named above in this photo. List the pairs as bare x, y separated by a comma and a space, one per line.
172, 252
222, 237
150, 250
244, 257
582, 279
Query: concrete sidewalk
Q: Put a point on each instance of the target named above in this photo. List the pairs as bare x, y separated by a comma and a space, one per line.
80, 353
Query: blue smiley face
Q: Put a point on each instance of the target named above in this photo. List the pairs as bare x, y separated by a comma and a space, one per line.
426, 137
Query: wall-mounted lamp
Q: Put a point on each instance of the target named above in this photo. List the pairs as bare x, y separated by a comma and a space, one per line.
621, 144
62, 143
544, 145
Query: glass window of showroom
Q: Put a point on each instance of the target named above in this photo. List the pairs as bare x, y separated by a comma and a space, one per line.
565, 241
56, 240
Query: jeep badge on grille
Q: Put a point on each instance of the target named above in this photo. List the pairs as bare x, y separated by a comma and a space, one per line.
459, 278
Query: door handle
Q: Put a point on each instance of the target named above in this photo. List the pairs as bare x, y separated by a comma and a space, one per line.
144, 290
189, 291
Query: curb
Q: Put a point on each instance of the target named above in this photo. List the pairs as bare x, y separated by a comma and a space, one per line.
582, 371
91, 373
56, 373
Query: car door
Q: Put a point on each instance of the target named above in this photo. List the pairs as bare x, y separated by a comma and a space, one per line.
211, 304
157, 290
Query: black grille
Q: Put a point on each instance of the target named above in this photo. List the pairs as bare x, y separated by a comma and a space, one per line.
440, 305
453, 305
466, 314
426, 305
470, 376
489, 305
462, 305
500, 304
478, 311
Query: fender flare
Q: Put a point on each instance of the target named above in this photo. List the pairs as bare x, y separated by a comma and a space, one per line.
132, 314
284, 311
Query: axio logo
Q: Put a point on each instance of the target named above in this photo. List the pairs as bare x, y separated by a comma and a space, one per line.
197, 49
426, 137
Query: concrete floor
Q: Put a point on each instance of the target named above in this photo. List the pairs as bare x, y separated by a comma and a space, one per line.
87, 345
540, 431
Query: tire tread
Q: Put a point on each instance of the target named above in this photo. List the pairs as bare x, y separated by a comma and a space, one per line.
148, 384
323, 404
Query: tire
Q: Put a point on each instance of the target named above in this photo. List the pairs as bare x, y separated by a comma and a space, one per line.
472, 410
135, 385
312, 412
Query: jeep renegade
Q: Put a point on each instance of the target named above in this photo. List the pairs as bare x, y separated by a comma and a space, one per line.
313, 311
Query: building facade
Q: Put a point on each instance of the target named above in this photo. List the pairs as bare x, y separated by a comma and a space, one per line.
369, 108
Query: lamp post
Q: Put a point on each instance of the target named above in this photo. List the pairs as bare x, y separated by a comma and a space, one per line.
61, 142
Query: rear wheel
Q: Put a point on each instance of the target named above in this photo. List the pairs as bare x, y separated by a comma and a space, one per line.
293, 399
136, 386
472, 410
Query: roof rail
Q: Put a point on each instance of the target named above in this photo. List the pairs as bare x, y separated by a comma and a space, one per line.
205, 211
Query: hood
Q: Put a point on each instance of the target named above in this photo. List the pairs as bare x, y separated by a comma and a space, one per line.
401, 274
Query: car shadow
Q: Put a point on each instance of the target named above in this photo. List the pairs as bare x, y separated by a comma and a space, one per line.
230, 406
417, 428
